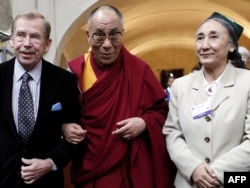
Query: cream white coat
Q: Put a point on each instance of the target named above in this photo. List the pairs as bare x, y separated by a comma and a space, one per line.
222, 138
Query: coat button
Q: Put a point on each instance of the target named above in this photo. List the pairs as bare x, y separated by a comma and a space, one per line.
207, 160
207, 118
207, 139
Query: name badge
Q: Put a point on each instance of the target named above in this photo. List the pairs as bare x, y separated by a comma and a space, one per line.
201, 110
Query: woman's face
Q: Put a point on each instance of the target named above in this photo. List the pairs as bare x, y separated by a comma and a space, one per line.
212, 44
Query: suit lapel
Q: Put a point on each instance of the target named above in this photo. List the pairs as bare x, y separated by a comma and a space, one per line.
47, 84
222, 92
198, 88
7, 94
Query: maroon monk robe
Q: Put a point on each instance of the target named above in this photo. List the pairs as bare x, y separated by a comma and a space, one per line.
126, 89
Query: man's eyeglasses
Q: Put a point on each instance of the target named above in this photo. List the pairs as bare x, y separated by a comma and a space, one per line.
115, 37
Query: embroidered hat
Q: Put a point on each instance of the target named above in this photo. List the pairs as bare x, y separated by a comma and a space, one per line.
237, 28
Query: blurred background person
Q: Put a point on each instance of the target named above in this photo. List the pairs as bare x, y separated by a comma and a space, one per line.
245, 55
170, 80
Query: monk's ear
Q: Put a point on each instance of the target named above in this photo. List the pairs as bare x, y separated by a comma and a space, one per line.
88, 36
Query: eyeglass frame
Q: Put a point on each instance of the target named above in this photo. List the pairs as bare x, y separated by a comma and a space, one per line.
102, 34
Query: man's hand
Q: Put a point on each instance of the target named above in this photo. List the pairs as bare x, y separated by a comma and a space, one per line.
204, 177
73, 133
34, 168
130, 128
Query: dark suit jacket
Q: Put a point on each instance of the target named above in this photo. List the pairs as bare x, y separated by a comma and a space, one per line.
57, 85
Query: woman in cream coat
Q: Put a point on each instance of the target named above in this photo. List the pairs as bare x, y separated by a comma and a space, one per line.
208, 127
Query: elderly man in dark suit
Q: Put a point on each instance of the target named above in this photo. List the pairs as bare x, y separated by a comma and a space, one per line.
32, 150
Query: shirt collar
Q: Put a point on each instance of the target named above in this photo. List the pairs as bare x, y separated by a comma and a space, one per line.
35, 73
216, 81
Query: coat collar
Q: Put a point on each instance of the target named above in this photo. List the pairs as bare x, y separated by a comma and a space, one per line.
227, 81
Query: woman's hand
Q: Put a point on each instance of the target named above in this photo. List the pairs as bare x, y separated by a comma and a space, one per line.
204, 177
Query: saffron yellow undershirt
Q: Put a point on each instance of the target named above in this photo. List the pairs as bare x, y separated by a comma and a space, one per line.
88, 77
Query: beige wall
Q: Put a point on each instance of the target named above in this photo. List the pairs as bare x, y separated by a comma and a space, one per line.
159, 31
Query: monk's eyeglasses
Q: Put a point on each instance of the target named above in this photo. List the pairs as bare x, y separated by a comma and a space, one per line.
114, 37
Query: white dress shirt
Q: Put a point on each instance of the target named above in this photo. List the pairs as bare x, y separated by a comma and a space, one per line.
34, 85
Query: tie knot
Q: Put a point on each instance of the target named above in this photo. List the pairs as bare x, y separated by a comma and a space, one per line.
26, 77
